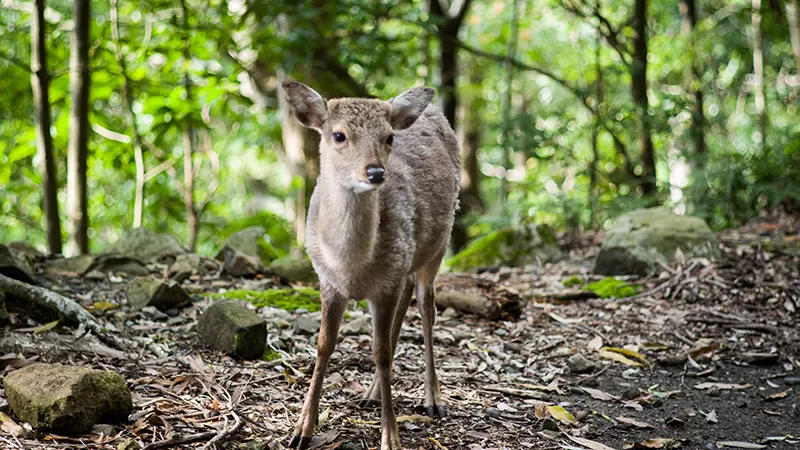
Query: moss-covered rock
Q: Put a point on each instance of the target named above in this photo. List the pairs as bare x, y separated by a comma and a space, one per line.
514, 247
67, 399
294, 269
641, 238
246, 252
230, 327
83, 264
149, 291
573, 281
612, 287
286, 299
3, 309
148, 246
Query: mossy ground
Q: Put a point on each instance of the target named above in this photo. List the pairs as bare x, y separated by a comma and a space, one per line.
287, 299
270, 355
612, 287
572, 281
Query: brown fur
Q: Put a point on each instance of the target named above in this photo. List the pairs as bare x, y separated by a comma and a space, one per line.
371, 242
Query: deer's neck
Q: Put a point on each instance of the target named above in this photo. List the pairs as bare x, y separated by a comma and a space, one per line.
348, 225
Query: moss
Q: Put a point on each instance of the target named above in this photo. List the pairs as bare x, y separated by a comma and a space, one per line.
483, 251
612, 287
288, 299
572, 281
270, 355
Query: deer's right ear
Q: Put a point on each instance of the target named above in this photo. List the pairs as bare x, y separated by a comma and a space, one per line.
307, 105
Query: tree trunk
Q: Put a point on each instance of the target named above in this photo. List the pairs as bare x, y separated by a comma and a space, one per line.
40, 82
77, 154
192, 222
507, 126
758, 71
639, 90
793, 17
593, 174
688, 23
138, 153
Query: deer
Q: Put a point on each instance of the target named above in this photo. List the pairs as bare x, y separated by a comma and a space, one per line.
378, 226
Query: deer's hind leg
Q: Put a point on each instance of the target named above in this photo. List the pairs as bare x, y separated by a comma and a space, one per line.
372, 396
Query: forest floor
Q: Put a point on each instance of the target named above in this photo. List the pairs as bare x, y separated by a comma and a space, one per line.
716, 364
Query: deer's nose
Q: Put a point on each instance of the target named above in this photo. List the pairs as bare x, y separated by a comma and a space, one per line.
375, 173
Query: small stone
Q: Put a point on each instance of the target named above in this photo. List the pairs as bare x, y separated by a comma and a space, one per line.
75, 265
67, 399
581, 415
449, 313
104, 429
305, 324
359, 325
550, 424
231, 327
149, 291
95, 275
579, 364
185, 266
246, 252
792, 381
631, 392
129, 444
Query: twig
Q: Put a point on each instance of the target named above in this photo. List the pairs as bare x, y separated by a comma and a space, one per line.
225, 433
177, 441
594, 375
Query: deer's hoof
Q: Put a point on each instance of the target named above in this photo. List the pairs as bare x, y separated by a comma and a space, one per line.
300, 442
369, 403
435, 411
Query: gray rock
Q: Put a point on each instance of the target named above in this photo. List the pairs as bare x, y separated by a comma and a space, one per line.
4, 319
305, 324
230, 327
24, 248
149, 291
67, 399
148, 246
639, 239
294, 269
246, 252
185, 266
94, 264
358, 326
104, 429
515, 247
579, 364
15, 265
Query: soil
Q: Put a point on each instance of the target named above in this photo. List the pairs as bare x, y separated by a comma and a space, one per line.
710, 353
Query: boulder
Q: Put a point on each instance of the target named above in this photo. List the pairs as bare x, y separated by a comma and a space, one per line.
15, 265
230, 327
294, 269
67, 399
24, 248
149, 291
246, 252
84, 264
641, 238
148, 247
514, 247
190, 264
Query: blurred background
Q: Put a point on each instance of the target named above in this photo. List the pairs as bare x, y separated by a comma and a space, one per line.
167, 114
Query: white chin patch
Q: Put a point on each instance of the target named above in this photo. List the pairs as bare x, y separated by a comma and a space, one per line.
362, 186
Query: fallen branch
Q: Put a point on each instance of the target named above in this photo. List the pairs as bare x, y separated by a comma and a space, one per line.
733, 324
224, 433
181, 440
67, 309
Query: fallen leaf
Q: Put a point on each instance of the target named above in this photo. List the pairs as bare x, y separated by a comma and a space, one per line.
771, 413
658, 443
8, 425
588, 443
628, 353
595, 344
598, 394
634, 422
703, 351
633, 404
710, 416
655, 346
561, 414
436, 443
506, 407
723, 386
779, 395
563, 320
738, 444
618, 358
414, 418
323, 417
46, 327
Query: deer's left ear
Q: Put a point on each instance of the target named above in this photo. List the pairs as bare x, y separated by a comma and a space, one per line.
307, 105
408, 106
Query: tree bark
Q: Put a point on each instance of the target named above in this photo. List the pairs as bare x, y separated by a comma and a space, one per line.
77, 154
688, 22
639, 91
593, 174
138, 153
758, 71
793, 17
40, 83
192, 222
507, 125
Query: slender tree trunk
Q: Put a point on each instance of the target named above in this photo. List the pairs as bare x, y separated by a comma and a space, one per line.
593, 174
138, 153
639, 90
40, 82
793, 17
77, 154
688, 24
758, 71
192, 222
507, 127
293, 138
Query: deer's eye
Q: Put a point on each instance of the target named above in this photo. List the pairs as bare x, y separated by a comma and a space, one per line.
390, 139
339, 137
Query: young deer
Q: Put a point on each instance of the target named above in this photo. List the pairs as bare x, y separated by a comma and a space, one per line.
379, 222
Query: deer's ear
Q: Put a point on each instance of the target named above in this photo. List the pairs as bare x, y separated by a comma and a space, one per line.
408, 106
307, 105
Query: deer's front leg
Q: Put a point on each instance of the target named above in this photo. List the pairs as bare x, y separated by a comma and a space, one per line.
333, 306
383, 313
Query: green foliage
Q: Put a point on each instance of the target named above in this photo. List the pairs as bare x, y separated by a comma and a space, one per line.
613, 288
572, 281
270, 355
287, 299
